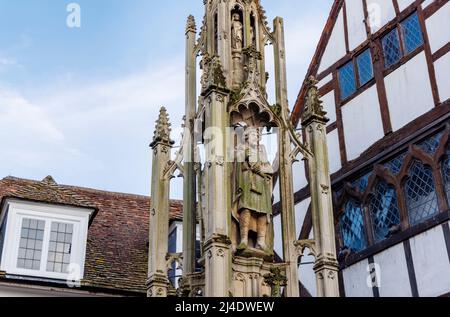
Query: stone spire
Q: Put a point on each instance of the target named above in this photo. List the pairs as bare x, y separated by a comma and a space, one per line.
162, 130
190, 25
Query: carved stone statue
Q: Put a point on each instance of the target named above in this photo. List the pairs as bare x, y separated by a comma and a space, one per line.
237, 30
254, 192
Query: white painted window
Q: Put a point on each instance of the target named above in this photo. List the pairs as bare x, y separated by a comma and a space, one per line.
44, 241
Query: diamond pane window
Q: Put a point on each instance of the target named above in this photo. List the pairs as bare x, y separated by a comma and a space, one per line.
365, 68
352, 227
431, 145
391, 48
446, 174
30, 247
412, 33
362, 183
384, 210
396, 164
60, 247
347, 80
420, 194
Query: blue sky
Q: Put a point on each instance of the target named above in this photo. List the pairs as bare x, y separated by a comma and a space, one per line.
80, 104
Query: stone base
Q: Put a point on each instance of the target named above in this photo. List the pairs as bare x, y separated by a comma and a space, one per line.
255, 253
157, 286
248, 276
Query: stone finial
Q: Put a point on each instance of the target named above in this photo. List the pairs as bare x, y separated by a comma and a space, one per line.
190, 25
276, 279
212, 73
313, 105
162, 130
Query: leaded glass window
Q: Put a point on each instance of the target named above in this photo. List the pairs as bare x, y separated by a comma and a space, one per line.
446, 174
352, 227
347, 80
396, 164
431, 145
362, 183
412, 33
60, 247
391, 48
30, 247
420, 194
384, 210
365, 68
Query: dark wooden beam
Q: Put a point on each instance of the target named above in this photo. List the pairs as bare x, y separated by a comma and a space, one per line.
411, 269
446, 228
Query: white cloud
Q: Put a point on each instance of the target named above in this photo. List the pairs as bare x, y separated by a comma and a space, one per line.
27, 132
7, 63
91, 134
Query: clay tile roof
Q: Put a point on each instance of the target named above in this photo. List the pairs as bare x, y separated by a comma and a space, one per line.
117, 248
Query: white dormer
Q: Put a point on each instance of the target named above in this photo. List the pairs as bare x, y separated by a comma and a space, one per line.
43, 241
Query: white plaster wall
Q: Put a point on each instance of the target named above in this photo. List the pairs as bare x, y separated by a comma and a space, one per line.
380, 13
355, 23
334, 152
437, 27
278, 239
325, 80
362, 123
403, 4
431, 263
329, 106
299, 175
355, 280
335, 49
300, 212
408, 92
442, 68
393, 273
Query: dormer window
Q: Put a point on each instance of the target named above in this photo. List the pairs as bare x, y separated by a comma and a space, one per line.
44, 241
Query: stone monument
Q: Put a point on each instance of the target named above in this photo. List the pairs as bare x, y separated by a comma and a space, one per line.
228, 196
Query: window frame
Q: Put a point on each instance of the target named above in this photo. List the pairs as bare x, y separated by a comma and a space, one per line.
380, 171
14, 213
354, 61
398, 26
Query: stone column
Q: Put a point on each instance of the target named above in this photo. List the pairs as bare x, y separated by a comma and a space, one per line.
326, 266
224, 45
157, 283
189, 180
218, 203
285, 173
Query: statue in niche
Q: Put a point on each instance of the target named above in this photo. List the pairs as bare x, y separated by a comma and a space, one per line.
253, 195
253, 35
237, 30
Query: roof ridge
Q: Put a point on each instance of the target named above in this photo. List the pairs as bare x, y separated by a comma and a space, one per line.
92, 190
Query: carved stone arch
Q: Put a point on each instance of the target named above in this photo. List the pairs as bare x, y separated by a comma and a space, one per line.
238, 7
253, 115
